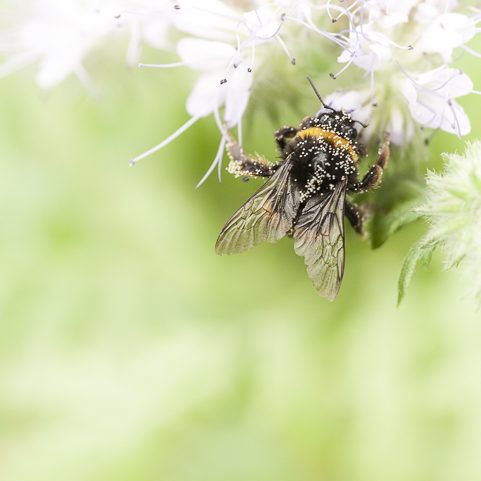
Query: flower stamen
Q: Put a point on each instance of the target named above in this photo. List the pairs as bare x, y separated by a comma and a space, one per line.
165, 142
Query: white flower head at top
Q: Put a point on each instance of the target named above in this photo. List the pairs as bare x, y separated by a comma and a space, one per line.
226, 46
406, 49
57, 35
396, 58
403, 49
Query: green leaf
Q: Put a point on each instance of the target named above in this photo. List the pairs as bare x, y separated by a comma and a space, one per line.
394, 204
385, 225
420, 252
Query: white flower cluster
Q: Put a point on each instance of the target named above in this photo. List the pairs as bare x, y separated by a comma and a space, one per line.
406, 50
453, 210
57, 35
228, 44
393, 54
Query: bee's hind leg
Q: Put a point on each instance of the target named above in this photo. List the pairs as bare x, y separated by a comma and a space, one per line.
243, 165
355, 216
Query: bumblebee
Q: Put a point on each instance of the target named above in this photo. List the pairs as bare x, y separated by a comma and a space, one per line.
305, 195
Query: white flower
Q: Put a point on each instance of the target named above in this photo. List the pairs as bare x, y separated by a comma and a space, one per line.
445, 33
146, 21
227, 46
401, 50
56, 34
389, 13
430, 97
407, 47
369, 49
210, 19
428, 10
225, 78
358, 104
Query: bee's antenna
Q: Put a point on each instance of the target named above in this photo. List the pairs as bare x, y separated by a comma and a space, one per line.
318, 94
361, 123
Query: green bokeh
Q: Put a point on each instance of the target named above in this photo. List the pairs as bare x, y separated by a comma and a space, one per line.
130, 351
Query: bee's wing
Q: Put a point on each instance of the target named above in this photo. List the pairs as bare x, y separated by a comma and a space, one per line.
266, 217
319, 237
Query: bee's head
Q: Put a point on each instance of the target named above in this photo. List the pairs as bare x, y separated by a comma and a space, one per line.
336, 120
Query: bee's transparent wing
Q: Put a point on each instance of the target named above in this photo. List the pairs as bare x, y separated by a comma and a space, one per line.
319, 237
266, 217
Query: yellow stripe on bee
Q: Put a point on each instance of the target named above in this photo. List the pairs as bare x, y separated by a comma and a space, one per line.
331, 137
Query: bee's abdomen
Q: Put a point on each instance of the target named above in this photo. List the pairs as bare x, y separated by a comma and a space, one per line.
319, 165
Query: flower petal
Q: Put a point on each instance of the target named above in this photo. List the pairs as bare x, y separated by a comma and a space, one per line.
206, 96
400, 128
446, 33
211, 19
205, 54
447, 82
263, 23
350, 101
55, 68
238, 91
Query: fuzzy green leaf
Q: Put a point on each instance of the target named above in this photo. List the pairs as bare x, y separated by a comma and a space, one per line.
420, 252
394, 204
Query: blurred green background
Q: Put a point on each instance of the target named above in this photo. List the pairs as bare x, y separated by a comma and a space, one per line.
130, 351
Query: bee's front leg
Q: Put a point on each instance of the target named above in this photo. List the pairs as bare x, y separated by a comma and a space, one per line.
283, 134
242, 165
374, 174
